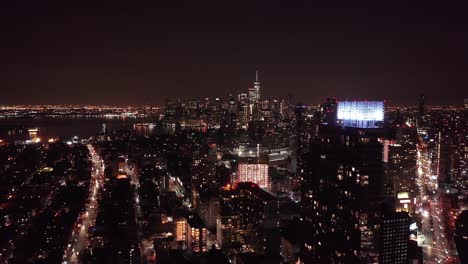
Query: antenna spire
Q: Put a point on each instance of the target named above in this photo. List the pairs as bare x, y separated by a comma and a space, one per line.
256, 75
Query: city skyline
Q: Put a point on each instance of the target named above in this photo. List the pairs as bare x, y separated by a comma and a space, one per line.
234, 179
308, 52
278, 132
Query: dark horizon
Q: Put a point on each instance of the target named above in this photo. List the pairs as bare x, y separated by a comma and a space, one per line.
130, 55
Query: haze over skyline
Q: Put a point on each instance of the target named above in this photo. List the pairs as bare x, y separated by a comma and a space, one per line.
128, 54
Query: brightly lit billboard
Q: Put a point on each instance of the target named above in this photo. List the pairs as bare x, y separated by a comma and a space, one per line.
365, 114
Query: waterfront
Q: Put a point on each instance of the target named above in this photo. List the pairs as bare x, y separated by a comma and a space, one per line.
66, 128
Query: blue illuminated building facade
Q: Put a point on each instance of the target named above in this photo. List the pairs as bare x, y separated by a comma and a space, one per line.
362, 114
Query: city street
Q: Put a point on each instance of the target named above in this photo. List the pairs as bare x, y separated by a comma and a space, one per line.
136, 199
83, 227
433, 236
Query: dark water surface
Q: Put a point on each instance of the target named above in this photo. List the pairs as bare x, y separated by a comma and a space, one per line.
66, 128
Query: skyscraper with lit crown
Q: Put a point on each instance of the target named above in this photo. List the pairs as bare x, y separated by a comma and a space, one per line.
254, 92
257, 87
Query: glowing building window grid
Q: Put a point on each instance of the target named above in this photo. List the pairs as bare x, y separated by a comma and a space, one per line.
361, 110
256, 173
180, 230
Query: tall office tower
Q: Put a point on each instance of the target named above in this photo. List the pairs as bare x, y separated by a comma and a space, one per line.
330, 190
257, 87
342, 187
446, 157
252, 95
254, 98
400, 162
254, 92
230, 116
361, 132
244, 109
461, 236
466, 103
421, 111
421, 106
394, 238
301, 133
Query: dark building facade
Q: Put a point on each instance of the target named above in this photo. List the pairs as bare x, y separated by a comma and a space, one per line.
258, 213
394, 238
461, 236
342, 179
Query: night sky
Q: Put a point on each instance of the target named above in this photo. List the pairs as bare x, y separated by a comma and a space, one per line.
128, 54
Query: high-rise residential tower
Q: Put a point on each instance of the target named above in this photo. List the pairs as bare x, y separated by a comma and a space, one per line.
342, 185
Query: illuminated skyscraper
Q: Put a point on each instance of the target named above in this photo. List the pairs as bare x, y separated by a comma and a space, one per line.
254, 92
244, 108
400, 161
257, 87
342, 184
254, 98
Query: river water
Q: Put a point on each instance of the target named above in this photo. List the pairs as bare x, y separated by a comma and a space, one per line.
66, 128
